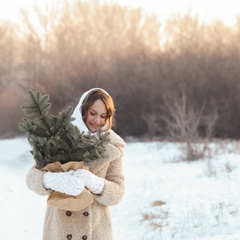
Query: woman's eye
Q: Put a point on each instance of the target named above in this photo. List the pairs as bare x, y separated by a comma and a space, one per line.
101, 116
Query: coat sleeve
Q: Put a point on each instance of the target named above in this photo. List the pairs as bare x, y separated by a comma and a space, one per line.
34, 181
114, 185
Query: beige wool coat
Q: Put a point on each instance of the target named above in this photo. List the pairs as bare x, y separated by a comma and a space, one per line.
94, 222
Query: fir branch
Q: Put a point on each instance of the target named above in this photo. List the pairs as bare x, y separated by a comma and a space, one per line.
38, 107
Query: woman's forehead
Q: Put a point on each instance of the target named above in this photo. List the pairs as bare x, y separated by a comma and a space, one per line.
99, 106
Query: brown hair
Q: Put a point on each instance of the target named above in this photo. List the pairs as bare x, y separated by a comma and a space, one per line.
106, 99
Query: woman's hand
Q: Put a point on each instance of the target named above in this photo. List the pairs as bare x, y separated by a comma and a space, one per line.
63, 182
90, 181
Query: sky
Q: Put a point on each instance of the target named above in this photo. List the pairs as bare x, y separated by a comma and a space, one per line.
208, 10
165, 198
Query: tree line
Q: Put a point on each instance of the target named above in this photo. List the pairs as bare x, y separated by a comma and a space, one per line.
178, 78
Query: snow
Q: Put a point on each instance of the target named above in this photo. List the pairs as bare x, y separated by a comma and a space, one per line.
166, 197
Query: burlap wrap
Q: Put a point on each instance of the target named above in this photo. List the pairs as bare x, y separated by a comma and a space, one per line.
64, 201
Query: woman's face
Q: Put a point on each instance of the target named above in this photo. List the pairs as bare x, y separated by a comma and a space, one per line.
96, 116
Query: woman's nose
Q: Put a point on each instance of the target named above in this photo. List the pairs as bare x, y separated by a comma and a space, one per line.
97, 120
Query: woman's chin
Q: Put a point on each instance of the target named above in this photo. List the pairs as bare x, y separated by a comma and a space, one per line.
93, 129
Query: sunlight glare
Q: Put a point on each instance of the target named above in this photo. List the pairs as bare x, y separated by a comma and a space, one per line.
9, 9
207, 10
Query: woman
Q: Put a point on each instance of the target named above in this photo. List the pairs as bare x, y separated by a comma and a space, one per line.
104, 178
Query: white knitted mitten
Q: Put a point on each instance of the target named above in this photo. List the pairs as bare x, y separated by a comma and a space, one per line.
94, 183
63, 182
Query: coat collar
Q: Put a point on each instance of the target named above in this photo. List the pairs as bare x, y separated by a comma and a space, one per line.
116, 140
113, 152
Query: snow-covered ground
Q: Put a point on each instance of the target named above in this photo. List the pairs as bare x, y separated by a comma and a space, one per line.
166, 198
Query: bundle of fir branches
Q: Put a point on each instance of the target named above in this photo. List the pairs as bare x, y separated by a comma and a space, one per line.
54, 138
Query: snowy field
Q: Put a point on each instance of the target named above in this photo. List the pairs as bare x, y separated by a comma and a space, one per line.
166, 198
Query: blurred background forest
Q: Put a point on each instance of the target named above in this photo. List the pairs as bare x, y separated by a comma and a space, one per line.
178, 79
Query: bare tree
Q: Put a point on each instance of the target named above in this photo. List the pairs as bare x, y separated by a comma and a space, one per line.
7, 56
183, 122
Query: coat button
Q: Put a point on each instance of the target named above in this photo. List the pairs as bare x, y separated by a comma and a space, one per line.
84, 237
68, 213
69, 236
86, 214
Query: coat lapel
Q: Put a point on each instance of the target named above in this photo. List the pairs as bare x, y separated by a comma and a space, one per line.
113, 152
